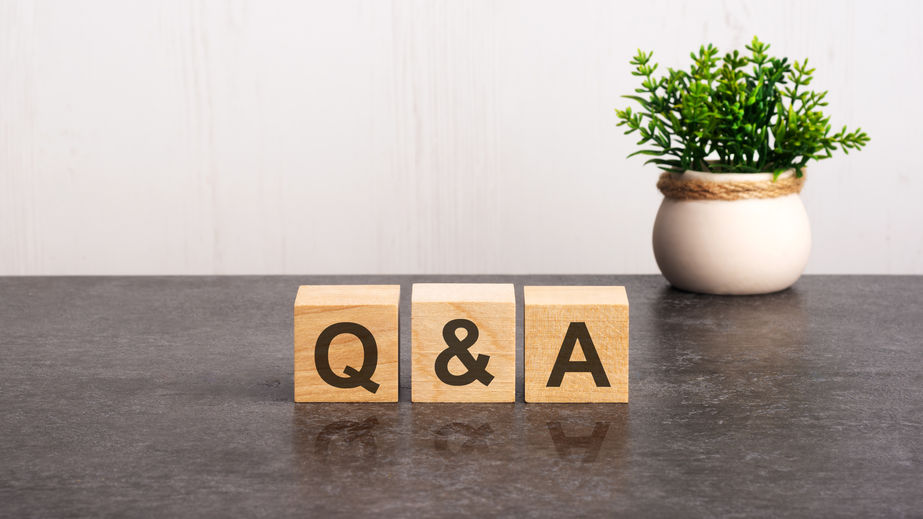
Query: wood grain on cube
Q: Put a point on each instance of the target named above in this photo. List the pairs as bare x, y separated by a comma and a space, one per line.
549, 312
492, 308
374, 307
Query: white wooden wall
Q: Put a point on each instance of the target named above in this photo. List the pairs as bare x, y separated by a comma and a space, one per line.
180, 137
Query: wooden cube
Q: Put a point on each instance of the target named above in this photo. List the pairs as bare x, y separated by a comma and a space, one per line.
464, 342
576, 344
346, 343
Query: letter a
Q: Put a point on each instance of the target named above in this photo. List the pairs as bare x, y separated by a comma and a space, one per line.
578, 332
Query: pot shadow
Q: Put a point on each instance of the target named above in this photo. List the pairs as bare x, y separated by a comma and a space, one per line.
722, 376
731, 336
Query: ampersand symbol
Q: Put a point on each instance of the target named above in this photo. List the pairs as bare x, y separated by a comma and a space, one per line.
477, 367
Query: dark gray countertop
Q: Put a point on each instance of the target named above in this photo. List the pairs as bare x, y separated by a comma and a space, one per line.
173, 397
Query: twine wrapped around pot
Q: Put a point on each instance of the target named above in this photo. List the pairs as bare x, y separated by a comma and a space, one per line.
692, 189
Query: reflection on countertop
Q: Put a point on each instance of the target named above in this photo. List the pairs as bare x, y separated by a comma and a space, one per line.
365, 434
459, 454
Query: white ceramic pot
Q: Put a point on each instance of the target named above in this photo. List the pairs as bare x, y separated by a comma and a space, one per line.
739, 247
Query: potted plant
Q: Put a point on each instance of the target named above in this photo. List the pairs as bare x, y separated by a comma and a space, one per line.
733, 136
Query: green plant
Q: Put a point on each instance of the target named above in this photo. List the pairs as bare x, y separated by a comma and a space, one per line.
723, 116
